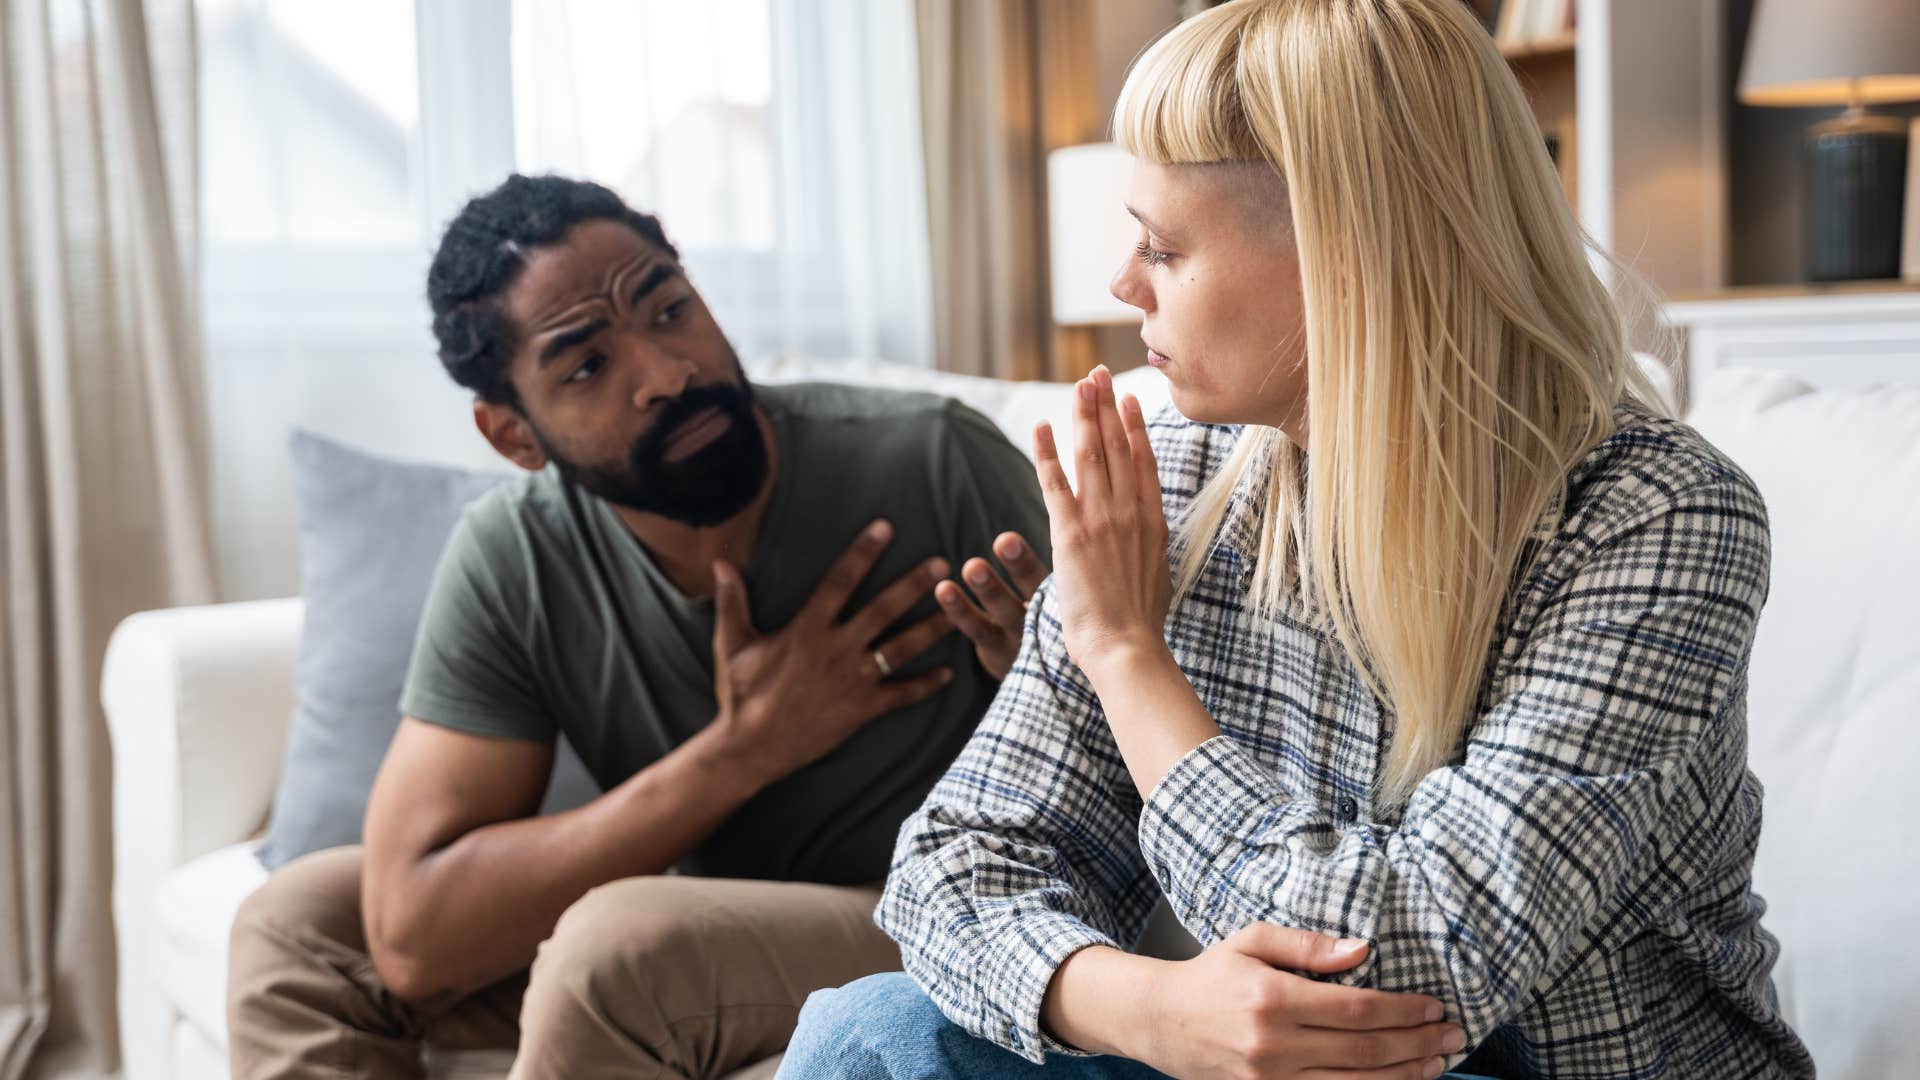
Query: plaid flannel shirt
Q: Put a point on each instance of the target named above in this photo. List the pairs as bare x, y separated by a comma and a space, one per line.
1575, 885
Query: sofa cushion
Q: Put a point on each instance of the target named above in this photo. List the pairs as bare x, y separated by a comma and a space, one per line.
1834, 691
371, 531
193, 913
195, 1057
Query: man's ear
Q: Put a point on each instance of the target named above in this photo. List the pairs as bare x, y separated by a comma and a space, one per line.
508, 431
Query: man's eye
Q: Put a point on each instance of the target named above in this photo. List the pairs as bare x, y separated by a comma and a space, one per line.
671, 313
588, 368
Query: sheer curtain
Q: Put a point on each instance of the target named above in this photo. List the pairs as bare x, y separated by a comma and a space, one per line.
778, 140
102, 469
1002, 83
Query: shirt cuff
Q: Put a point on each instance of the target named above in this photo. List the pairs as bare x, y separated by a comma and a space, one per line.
1026, 956
1198, 817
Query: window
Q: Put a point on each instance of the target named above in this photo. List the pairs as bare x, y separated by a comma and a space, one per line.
666, 103
309, 120
777, 140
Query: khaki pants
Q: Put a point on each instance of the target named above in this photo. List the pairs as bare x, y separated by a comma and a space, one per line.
664, 976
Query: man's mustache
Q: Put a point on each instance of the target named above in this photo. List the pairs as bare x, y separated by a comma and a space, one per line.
733, 401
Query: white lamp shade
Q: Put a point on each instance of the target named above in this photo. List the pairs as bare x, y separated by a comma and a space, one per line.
1089, 232
1824, 52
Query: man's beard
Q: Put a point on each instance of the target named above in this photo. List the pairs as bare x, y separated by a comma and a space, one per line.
704, 488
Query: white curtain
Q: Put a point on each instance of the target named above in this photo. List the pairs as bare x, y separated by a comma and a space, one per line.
102, 469
779, 141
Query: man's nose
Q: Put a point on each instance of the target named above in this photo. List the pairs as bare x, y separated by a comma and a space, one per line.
658, 374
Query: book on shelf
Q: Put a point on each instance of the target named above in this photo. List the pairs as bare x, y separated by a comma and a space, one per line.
1519, 22
1507, 23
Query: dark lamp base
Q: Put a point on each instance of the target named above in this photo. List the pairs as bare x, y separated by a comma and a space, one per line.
1856, 168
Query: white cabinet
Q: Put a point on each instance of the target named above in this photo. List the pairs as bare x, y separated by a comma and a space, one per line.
1848, 336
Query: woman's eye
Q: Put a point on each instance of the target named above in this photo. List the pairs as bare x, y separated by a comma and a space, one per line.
588, 368
1148, 254
671, 313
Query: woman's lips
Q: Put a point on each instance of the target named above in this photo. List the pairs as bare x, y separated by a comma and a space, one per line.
700, 429
1155, 358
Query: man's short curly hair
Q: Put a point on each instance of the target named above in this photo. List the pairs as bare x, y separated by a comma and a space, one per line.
482, 253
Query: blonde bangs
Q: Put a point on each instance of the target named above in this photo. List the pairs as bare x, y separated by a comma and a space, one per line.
1181, 104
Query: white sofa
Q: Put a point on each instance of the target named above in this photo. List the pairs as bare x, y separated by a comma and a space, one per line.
198, 700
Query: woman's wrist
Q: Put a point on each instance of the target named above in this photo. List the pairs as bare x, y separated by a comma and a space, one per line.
1127, 657
1099, 1001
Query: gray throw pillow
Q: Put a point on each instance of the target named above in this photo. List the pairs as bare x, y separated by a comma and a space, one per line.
371, 532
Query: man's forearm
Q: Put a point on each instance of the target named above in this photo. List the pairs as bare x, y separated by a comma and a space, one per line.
476, 910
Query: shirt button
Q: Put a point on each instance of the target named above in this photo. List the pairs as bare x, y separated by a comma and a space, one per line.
1347, 808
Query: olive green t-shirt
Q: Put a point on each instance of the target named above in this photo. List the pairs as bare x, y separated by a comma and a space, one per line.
548, 616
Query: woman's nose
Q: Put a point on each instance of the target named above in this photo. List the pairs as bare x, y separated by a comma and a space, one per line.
1127, 287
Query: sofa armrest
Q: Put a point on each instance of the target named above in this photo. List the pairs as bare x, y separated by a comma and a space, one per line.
197, 701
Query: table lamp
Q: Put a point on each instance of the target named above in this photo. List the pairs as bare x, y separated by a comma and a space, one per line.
1089, 232
1854, 53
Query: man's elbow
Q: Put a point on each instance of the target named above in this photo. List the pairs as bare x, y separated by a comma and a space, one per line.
408, 972
404, 954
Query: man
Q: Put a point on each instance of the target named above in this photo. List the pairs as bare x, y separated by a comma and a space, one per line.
725, 597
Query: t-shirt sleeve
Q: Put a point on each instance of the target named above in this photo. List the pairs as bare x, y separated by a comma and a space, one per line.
989, 487
472, 666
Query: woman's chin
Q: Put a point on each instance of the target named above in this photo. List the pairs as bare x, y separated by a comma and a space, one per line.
1201, 409
1218, 409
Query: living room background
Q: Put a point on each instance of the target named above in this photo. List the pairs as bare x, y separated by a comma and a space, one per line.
781, 151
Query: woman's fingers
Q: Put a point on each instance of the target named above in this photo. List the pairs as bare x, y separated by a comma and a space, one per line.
1408, 1049
1113, 437
1114, 464
1146, 471
1090, 452
1053, 482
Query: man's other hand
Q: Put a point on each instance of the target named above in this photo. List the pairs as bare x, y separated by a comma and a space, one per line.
993, 616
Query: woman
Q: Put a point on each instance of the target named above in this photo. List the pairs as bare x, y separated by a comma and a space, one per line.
1446, 659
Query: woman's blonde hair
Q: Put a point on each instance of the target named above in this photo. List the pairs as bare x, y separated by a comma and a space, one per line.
1461, 354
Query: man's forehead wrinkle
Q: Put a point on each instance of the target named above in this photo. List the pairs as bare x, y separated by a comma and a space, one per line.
573, 306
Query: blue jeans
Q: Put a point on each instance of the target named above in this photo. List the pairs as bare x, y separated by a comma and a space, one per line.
884, 1027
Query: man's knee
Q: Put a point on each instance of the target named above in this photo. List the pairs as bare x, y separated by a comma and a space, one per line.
310, 901
618, 939
295, 945
861, 1029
